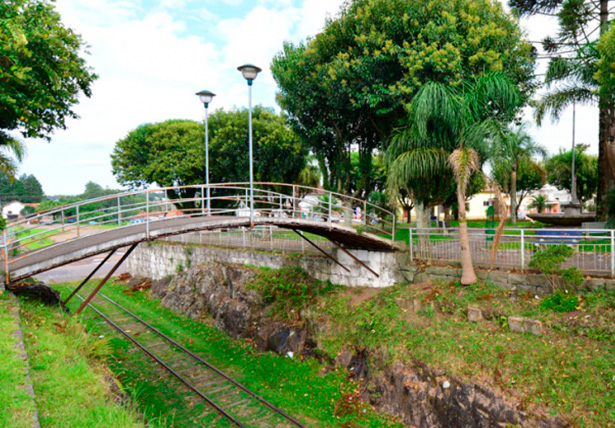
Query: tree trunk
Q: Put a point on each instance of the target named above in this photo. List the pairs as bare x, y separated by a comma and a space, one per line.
606, 137
467, 268
513, 195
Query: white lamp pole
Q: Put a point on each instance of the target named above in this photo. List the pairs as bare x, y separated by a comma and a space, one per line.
206, 97
249, 73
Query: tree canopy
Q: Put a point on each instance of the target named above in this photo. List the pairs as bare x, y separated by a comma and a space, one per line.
26, 189
172, 153
559, 168
41, 70
347, 88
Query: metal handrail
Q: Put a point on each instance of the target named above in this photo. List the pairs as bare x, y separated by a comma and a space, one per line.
147, 205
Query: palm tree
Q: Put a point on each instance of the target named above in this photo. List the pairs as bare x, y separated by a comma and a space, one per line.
449, 129
539, 202
509, 151
12, 151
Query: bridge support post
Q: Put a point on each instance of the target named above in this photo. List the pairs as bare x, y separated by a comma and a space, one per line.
105, 279
76, 290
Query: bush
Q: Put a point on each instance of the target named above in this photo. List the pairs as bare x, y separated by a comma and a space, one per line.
549, 261
560, 301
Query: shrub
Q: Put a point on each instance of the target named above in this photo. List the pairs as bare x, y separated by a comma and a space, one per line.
549, 261
560, 301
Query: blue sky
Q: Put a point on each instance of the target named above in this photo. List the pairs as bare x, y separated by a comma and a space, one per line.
153, 55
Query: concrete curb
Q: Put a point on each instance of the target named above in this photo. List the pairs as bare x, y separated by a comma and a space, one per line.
18, 334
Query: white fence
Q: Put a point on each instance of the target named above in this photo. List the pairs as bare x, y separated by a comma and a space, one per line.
594, 248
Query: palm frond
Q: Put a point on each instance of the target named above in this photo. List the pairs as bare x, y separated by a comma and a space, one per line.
558, 100
416, 164
435, 102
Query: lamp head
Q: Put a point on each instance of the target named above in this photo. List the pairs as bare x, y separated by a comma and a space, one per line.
206, 97
249, 72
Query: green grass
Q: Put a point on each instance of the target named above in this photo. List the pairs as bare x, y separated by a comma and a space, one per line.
570, 371
298, 387
73, 387
17, 407
39, 241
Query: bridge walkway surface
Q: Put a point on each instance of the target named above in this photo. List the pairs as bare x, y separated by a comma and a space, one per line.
59, 254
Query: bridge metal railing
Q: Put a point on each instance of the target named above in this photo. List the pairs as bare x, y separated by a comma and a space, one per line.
26, 235
594, 249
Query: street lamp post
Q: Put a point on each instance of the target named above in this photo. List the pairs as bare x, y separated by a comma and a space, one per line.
249, 73
206, 97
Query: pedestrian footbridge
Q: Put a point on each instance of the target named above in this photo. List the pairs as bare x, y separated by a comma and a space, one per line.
69, 233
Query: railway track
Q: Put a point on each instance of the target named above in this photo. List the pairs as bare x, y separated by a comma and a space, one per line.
220, 393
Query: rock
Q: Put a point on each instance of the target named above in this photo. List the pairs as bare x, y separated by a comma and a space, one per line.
516, 324
533, 326
474, 314
37, 291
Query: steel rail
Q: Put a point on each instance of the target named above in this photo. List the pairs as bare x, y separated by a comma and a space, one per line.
166, 366
207, 364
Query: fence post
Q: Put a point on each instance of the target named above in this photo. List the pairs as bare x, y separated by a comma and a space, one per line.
330, 203
394, 224
409, 242
62, 220
119, 212
78, 231
147, 215
612, 253
522, 250
365, 213
5, 244
203, 201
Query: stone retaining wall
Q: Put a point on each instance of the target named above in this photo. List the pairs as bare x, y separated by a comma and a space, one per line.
159, 260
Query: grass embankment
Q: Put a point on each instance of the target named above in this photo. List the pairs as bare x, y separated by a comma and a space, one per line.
17, 407
570, 370
72, 385
299, 387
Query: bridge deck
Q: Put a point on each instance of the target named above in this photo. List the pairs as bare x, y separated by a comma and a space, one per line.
77, 249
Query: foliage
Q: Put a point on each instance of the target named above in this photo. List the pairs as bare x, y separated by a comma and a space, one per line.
572, 76
549, 261
559, 171
539, 202
560, 301
26, 189
513, 151
41, 71
449, 128
605, 69
288, 290
349, 87
172, 153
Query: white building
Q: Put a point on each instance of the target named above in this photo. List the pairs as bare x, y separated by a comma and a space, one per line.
11, 210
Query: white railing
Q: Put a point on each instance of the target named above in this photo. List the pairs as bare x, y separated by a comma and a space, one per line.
93, 216
594, 248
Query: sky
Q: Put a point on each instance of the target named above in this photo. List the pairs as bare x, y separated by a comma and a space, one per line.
152, 56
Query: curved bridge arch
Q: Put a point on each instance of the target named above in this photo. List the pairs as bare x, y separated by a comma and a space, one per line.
275, 209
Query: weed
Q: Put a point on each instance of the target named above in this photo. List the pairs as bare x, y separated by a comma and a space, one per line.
179, 268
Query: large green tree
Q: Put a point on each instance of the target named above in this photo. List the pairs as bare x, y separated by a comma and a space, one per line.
172, 153
559, 172
26, 189
531, 176
571, 75
347, 88
42, 72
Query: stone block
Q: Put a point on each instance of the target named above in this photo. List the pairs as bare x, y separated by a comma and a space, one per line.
594, 284
498, 277
417, 305
474, 314
610, 284
517, 278
516, 324
533, 326
443, 271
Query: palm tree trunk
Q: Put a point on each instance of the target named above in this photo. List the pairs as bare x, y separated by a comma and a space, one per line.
513, 195
468, 276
